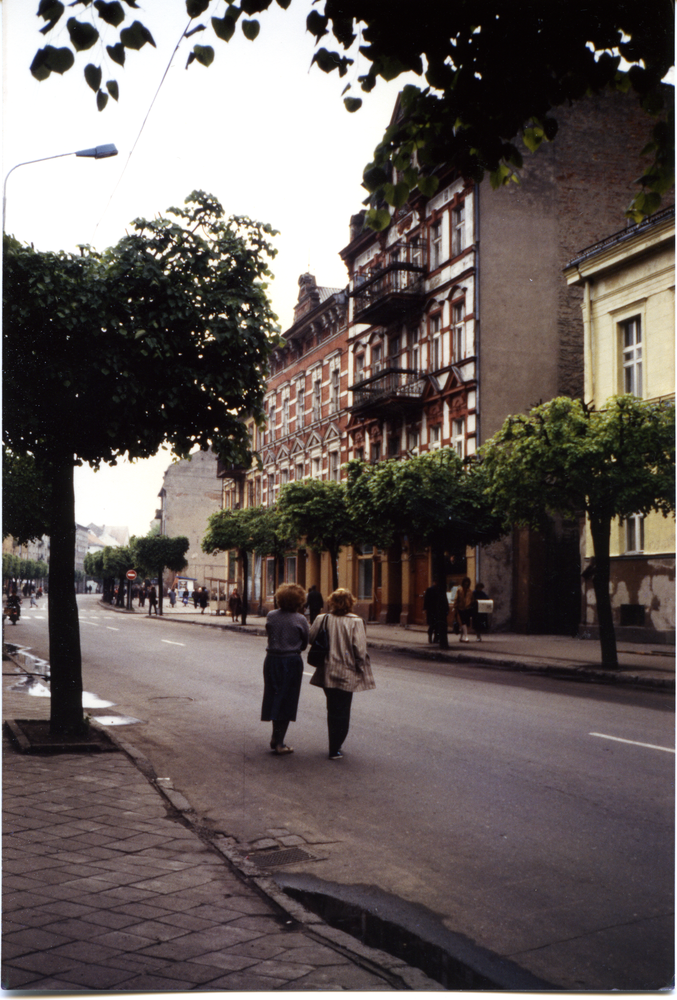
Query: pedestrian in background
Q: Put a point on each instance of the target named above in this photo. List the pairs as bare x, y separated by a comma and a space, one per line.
185, 597
172, 597
152, 600
314, 603
464, 604
235, 605
196, 597
287, 631
480, 621
204, 599
346, 668
436, 607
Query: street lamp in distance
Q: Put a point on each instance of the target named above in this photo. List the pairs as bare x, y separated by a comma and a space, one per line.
96, 153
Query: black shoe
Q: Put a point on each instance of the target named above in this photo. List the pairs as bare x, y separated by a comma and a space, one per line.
336, 756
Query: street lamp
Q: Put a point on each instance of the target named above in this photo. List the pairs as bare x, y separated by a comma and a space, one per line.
96, 153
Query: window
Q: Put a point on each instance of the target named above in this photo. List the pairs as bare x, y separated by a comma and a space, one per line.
394, 349
290, 569
285, 417
258, 491
458, 437
436, 244
375, 451
458, 332
458, 230
365, 574
300, 404
317, 468
376, 358
412, 441
271, 488
284, 476
393, 446
359, 454
359, 366
250, 493
631, 334
634, 533
334, 466
317, 399
299, 471
435, 342
334, 389
414, 354
434, 436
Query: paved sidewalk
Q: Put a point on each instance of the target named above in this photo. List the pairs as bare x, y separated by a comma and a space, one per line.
640, 665
108, 886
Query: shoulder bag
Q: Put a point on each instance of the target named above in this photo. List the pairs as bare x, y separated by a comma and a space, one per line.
319, 649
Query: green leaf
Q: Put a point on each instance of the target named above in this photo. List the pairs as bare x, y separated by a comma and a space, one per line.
352, 104
374, 178
428, 185
50, 60
204, 54
377, 219
101, 100
196, 7
316, 24
93, 76
533, 137
500, 176
250, 29
117, 53
136, 36
113, 89
82, 35
51, 11
224, 27
111, 13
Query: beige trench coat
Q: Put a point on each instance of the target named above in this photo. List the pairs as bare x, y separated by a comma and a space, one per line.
347, 665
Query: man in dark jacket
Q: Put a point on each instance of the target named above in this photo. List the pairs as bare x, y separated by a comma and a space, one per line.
314, 603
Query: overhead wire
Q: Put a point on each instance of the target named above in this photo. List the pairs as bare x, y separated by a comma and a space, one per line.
143, 125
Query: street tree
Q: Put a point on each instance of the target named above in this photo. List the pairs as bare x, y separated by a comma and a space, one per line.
162, 339
93, 566
25, 499
490, 74
434, 498
153, 554
567, 458
317, 510
239, 530
117, 561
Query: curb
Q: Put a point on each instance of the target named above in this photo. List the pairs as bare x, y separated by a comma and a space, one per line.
401, 975
588, 673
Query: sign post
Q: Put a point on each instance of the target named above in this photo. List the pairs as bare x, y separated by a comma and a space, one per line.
131, 575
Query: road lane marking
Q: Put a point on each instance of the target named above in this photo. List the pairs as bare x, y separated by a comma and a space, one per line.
93, 624
635, 743
111, 628
307, 673
170, 643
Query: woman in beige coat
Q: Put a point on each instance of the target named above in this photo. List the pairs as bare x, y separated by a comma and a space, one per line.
346, 668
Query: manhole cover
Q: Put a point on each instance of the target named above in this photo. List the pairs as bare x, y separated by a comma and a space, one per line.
273, 859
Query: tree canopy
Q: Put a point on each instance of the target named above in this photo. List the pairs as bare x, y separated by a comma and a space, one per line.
566, 457
490, 74
162, 338
318, 511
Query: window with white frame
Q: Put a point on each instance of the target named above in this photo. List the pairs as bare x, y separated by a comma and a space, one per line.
435, 244
375, 451
271, 488
317, 397
299, 470
284, 476
458, 229
334, 387
359, 366
414, 352
300, 404
376, 358
316, 465
631, 343
412, 441
458, 437
634, 533
434, 436
334, 466
435, 349
285, 416
458, 330
394, 350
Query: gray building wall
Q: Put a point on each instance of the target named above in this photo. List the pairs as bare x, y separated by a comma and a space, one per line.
190, 493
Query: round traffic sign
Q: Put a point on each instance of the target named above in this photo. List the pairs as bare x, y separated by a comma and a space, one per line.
131, 574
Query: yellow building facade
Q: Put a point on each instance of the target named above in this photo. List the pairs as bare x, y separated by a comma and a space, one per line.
628, 303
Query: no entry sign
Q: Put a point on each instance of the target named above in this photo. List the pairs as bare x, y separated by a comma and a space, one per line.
131, 574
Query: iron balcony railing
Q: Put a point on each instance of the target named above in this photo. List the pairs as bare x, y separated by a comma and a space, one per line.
398, 276
391, 383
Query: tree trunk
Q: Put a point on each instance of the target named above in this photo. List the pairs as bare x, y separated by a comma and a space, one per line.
440, 577
64, 629
245, 591
160, 588
333, 556
600, 529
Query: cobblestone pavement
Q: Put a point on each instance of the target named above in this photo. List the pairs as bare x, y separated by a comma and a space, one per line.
107, 887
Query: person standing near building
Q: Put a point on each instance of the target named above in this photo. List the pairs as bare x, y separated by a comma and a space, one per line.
436, 607
346, 668
314, 603
464, 603
287, 631
204, 599
152, 600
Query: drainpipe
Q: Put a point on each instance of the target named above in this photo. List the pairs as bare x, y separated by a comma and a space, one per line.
588, 347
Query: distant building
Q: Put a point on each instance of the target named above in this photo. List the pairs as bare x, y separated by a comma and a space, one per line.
628, 282
190, 493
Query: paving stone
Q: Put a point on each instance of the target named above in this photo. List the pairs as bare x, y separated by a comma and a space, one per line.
45, 962
156, 930
186, 921
260, 948
292, 841
226, 960
114, 920
261, 845
279, 832
140, 910
96, 977
124, 941
13, 978
77, 930
35, 939
341, 977
155, 983
282, 969
191, 971
201, 943
246, 981
86, 951
176, 880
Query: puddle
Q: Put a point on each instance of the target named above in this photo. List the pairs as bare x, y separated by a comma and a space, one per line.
115, 720
36, 671
30, 663
90, 700
32, 686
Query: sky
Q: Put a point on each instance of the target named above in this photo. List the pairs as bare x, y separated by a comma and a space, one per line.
260, 129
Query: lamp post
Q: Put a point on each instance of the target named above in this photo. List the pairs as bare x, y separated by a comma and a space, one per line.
96, 153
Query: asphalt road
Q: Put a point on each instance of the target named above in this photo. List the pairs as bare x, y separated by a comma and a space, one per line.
534, 817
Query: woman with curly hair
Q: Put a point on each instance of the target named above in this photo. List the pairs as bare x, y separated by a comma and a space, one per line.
287, 632
346, 668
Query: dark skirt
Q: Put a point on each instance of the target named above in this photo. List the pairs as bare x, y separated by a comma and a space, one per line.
282, 677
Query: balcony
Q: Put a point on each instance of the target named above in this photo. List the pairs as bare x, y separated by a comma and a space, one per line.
389, 392
391, 289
